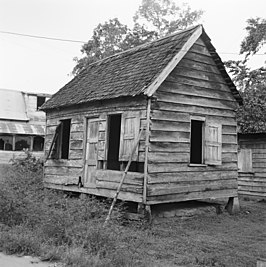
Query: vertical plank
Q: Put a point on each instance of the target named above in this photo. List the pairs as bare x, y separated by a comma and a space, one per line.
91, 151
147, 141
213, 144
130, 125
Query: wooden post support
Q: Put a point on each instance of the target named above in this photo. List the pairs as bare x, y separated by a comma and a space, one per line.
83, 196
261, 263
13, 143
232, 205
31, 143
141, 208
148, 213
145, 210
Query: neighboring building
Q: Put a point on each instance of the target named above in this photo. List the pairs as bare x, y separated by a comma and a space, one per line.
252, 165
177, 89
22, 124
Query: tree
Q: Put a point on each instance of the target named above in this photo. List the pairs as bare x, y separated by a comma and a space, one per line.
110, 38
107, 39
251, 116
256, 37
113, 37
165, 16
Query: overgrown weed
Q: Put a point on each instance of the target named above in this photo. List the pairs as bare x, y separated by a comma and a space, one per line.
56, 226
60, 227
20, 240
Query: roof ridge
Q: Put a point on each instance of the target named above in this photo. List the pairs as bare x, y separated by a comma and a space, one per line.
145, 44
136, 71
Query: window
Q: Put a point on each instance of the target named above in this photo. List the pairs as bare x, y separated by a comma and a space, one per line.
22, 142
6, 142
40, 101
65, 136
205, 143
59, 148
123, 131
196, 142
38, 142
245, 160
114, 131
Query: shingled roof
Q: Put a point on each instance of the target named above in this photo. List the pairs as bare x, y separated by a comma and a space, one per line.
134, 72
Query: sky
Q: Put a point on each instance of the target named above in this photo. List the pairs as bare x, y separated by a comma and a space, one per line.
44, 66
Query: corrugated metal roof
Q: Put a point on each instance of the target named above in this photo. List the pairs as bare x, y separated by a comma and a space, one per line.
12, 105
21, 128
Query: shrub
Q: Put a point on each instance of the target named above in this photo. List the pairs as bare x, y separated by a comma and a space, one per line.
56, 226
20, 196
28, 163
19, 240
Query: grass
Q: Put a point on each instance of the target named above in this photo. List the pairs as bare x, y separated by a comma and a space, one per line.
54, 226
211, 240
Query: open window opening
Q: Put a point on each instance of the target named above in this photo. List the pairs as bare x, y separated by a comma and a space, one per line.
40, 101
122, 134
134, 166
22, 142
6, 142
38, 143
196, 142
65, 136
59, 148
114, 131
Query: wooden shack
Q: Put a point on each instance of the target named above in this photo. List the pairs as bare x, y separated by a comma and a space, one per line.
177, 89
252, 165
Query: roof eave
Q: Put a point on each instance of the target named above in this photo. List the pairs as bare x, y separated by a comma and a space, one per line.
58, 107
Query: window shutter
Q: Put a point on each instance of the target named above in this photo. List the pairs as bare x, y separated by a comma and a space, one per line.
102, 134
245, 160
130, 125
213, 144
54, 147
92, 141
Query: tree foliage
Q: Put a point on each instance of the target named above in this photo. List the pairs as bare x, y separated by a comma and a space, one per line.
251, 116
153, 19
110, 38
165, 16
256, 37
251, 83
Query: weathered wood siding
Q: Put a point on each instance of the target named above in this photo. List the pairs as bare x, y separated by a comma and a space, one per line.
194, 88
64, 173
252, 182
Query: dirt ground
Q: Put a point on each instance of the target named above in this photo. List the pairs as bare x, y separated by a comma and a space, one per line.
14, 261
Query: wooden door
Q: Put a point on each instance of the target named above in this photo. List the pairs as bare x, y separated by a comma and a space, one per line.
91, 151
